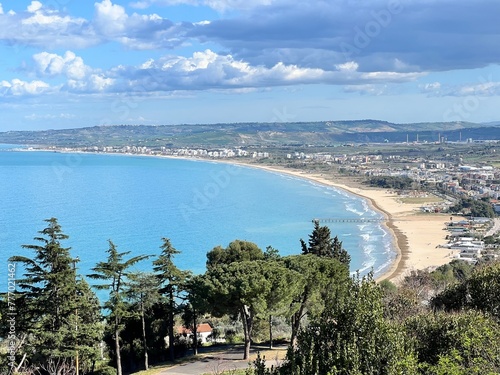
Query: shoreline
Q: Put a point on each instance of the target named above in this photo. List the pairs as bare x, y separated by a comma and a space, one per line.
410, 231
405, 228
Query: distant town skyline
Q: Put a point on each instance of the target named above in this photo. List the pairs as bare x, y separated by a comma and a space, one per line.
68, 63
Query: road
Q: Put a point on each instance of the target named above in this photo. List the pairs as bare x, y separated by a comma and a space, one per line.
495, 228
229, 359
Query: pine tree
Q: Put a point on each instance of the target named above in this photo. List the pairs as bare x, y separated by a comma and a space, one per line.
172, 284
55, 305
321, 244
115, 272
143, 293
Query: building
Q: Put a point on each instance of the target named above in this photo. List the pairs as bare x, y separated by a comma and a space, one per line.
203, 331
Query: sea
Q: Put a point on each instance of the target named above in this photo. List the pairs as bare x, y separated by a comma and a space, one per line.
135, 201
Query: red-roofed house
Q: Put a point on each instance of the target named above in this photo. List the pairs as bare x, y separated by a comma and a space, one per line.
203, 331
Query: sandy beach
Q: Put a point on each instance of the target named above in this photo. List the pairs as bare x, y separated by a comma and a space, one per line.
416, 234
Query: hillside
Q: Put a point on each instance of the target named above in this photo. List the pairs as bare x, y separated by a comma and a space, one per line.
254, 134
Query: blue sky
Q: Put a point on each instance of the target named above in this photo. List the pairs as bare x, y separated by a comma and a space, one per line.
69, 63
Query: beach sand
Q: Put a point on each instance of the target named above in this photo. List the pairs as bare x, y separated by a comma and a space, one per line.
416, 234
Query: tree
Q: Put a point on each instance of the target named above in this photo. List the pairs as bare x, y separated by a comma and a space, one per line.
143, 293
271, 253
58, 315
246, 289
236, 251
320, 278
481, 291
448, 274
115, 272
458, 343
474, 207
351, 337
322, 245
197, 303
172, 283
285, 286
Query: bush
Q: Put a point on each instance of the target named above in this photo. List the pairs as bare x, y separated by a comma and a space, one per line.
106, 370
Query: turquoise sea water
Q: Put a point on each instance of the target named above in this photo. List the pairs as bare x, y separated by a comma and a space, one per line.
135, 201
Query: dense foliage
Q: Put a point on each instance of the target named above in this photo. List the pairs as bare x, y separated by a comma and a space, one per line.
391, 182
473, 207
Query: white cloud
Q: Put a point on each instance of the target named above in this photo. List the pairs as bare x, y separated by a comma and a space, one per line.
205, 70
17, 87
99, 82
136, 31
481, 89
110, 18
49, 116
433, 88
350, 66
1, 8
70, 65
486, 87
34, 6
368, 89
45, 28
209, 70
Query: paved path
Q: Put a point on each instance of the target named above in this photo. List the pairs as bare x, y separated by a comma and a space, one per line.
495, 228
229, 359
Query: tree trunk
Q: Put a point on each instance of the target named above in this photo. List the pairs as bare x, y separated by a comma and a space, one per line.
171, 337
117, 348
270, 331
144, 342
296, 319
247, 319
195, 333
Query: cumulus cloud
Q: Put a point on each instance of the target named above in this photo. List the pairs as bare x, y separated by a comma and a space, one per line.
17, 87
80, 78
110, 18
208, 70
205, 70
34, 6
484, 88
138, 31
70, 65
41, 27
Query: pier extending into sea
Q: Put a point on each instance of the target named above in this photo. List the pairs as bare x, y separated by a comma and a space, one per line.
349, 220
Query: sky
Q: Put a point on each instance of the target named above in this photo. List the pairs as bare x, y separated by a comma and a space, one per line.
74, 63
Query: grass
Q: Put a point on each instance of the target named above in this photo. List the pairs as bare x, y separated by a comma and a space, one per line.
421, 200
